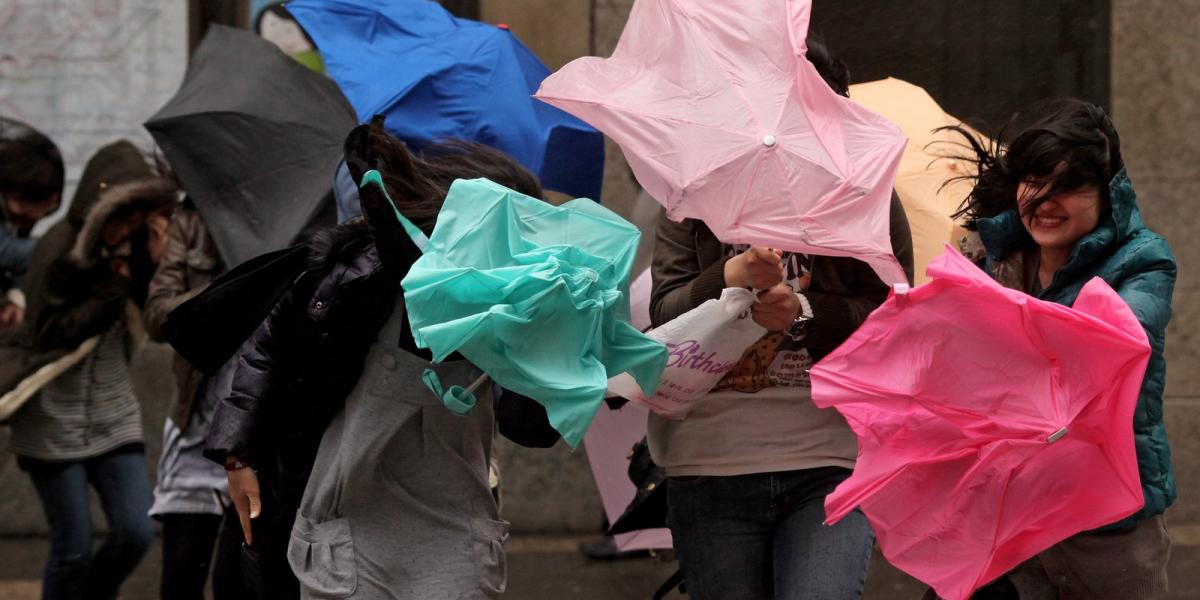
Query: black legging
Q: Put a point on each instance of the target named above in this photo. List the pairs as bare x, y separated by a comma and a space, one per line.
188, 541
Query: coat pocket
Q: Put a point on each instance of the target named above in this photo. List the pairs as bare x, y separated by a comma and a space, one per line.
322, 557
488, 537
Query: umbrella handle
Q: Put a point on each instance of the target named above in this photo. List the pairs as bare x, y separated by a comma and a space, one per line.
475, 385
419, 238
457, 399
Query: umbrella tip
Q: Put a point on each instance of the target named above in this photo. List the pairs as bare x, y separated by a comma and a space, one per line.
503, 26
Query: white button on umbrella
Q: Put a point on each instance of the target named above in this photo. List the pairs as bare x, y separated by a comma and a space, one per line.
768, 140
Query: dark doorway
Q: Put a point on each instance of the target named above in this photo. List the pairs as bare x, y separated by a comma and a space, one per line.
980, 59
465, 9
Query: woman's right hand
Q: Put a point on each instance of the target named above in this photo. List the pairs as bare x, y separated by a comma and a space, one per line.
757, 268
243, 489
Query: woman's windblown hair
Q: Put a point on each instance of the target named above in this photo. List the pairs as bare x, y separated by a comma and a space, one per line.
1071, 144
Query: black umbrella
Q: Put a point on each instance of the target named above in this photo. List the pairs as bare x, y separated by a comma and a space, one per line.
254, 136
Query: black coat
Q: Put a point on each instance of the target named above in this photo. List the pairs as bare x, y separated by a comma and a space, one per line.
307, 354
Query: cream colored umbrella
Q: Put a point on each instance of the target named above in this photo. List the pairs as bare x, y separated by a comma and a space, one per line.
922, 168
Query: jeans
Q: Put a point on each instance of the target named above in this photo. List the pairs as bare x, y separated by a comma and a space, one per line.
123, 484
188, 541
761, 536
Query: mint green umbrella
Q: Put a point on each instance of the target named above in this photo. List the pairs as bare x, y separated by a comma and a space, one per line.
534, 295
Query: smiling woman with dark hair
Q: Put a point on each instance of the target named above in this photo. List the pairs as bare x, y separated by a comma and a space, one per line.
1047, 214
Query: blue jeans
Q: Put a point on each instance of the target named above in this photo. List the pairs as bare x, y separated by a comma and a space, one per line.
123, 484
760, 536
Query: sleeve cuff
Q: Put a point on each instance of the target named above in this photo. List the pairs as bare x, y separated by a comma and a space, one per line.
709, 284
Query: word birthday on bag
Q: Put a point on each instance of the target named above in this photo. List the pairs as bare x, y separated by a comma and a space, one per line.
688, 355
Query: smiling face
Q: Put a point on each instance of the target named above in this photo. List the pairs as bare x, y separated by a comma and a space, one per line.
1061, 220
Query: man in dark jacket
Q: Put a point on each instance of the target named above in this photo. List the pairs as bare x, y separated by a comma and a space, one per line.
31, 182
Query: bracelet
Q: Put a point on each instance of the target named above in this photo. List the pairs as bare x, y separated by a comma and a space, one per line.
800, 325
237, 465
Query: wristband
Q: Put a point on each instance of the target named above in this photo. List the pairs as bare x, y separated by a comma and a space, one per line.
237, 465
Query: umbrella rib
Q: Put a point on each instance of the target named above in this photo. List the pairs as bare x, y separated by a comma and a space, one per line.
728, 77
641, 113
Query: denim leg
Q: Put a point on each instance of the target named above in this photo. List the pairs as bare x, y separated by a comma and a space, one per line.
123, 483
722, 531
64, 494
815, 561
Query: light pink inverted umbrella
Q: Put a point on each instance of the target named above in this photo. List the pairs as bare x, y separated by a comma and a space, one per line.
991, 425
723, 119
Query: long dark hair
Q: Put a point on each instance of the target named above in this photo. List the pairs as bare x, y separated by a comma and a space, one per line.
418, 182
1068, 131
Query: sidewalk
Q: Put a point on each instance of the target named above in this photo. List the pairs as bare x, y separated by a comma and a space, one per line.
550, 568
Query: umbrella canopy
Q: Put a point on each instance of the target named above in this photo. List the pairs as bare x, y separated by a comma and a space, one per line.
435, 76
255, 137
991, 425
723, 119
535, 295
926, 181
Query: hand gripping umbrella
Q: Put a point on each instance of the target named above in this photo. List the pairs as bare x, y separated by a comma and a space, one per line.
535, 295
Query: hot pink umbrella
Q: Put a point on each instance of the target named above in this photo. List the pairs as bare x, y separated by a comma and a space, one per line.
723, 119
991, 425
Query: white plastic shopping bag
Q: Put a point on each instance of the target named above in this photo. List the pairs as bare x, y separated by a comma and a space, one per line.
704, 344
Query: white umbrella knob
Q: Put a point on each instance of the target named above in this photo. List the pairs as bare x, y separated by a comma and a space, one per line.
768, 140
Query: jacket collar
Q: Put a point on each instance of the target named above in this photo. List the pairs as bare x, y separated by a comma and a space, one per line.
1005, 233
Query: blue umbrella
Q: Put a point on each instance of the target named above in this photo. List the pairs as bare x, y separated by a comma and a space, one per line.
434, 76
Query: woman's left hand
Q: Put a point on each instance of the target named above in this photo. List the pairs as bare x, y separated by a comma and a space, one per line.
776, 308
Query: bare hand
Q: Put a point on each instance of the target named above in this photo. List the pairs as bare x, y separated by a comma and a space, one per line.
120, 268
11, 315
243, 489
157, 224
757, 268
776, 308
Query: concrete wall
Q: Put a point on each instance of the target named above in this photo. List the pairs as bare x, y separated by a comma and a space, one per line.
1156, 106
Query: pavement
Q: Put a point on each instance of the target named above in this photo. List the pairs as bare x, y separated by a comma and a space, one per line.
551, 568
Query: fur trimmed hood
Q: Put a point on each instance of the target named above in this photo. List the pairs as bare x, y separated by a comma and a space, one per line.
151, 194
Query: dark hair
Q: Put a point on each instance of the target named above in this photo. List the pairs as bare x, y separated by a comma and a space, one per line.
835, 72
1066, 130
30, 164
418, 183
278, 9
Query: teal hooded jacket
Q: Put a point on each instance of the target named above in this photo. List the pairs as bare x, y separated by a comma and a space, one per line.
1138, 264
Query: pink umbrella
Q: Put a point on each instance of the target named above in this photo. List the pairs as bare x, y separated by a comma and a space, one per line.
723, 119
991, 425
